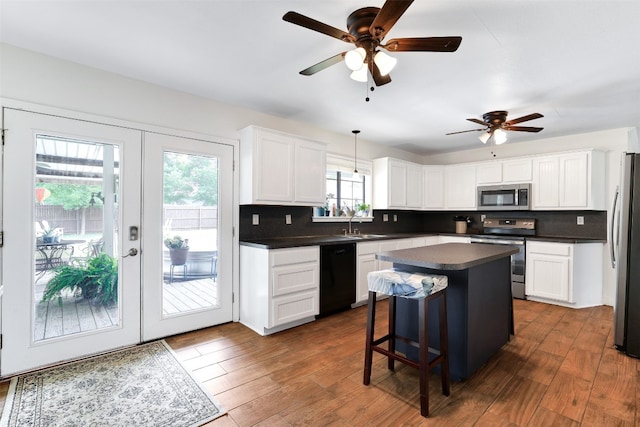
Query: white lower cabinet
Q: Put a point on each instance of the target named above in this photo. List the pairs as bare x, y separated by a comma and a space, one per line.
564, 274
279, 288
366, 262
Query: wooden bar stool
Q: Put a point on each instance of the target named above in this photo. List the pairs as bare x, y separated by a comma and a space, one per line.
423, 288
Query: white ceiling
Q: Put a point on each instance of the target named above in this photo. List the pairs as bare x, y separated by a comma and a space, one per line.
575, 62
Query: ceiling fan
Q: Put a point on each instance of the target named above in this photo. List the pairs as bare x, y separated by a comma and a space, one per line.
367, 28
495, 124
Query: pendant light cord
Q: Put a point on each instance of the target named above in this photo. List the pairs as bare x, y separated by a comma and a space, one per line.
355, 148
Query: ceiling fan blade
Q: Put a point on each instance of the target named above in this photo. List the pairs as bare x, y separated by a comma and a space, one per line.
523, 128
388, 15
323, 64
424, 44
378, 78
312, 24
464, 131
524, 118
478, 121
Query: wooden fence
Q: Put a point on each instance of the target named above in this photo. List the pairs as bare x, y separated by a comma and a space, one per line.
89, 220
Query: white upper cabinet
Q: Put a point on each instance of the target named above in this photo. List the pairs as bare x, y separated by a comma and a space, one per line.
460, 183
504, 171
277, 168
570, 181
433, 186
414, 186
517, 170
489, 173
310, 173
546, 172
397, 184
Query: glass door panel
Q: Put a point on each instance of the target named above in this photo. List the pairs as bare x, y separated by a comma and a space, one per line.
75, 280
65, 285
190, 218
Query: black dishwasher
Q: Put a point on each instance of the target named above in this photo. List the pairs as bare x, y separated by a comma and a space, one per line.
337, 277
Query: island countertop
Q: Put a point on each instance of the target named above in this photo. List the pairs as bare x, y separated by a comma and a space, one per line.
448, 256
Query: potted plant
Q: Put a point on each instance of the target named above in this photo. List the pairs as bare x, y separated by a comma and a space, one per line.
48, 234
363, 209
178, 249
96, 280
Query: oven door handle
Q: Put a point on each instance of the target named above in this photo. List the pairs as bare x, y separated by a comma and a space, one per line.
499, 241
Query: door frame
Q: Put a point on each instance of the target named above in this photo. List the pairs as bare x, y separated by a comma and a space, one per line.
144, 127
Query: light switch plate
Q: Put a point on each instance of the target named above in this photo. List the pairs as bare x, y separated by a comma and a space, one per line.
395, 218
385, 217
256, 219
580, 220
287, 219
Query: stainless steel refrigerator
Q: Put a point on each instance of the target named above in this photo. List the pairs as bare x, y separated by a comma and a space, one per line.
624, 241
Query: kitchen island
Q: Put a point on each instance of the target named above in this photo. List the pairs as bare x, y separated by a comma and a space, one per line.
479, 302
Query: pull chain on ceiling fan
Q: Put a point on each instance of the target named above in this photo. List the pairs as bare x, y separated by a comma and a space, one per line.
367, 28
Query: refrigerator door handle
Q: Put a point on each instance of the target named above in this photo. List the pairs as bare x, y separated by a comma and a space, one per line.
614, 228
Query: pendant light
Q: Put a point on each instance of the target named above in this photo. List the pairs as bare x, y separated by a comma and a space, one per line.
356, 175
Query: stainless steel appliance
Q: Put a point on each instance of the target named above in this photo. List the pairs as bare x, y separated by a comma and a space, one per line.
624, 241
508, 231
504, 197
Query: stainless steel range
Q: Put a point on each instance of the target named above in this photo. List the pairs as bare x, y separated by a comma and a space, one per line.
510, 231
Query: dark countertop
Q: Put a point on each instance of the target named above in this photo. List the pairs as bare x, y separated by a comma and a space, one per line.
448, 256
295, 241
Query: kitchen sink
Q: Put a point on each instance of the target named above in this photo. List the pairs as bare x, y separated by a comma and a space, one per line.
361, 236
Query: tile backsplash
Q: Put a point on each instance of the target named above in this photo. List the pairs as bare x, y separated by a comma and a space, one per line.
272, 222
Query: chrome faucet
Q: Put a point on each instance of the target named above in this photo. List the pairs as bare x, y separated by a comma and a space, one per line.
351, 213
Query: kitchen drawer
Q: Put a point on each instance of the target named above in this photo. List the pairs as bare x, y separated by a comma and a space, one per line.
368, 248
289, 308
294, 278
559, 249
294, 256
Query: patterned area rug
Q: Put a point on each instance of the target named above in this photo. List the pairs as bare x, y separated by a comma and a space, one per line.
141, 386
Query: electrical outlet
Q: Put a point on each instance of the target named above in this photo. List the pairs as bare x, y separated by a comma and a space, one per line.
385, 217
395, 218
287, 219
580, 220
256, 219
482, 217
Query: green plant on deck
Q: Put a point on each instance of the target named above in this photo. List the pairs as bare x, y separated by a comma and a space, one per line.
176, 242
97, 280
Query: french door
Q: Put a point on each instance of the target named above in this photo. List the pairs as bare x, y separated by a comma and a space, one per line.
187, 183
84, 270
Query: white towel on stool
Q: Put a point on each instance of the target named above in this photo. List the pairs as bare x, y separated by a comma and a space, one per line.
405, 284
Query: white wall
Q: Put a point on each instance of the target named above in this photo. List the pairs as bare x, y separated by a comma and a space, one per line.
40, 79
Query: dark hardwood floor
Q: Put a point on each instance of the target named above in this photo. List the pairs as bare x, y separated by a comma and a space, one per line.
560, 369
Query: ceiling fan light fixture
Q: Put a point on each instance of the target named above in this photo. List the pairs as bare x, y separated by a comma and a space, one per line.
355, 58
485, 137
499, 136
384, 62
360, 75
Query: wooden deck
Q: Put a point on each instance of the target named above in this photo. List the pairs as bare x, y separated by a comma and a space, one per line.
75, 314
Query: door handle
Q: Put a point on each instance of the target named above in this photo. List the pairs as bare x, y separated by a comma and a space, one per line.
613, 230
132, 252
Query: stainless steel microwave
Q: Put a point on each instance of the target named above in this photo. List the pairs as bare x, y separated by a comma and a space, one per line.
504, 197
